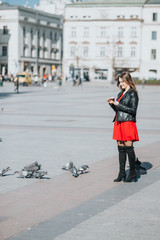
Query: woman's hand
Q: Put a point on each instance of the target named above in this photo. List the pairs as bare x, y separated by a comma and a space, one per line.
115, 103
112, 101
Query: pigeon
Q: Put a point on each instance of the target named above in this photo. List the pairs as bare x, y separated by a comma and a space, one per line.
4, 170
83, 168
40, 174
138, 165
24, 173
32, 167
68, 166
74, 171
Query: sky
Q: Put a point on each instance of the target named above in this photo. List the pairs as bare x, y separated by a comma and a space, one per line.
31, 3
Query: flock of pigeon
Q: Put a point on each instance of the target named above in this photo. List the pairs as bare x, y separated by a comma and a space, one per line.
3, 171
75, 172
32, 170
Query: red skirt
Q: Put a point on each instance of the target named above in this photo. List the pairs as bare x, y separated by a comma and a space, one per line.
125, 131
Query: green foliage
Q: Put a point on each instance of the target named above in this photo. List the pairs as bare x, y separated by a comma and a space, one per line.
147, 82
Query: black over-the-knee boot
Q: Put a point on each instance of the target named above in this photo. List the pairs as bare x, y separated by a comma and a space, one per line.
131, 158
122, 164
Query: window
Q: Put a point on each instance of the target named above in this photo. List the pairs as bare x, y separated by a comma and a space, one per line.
73, 32
39, 51
5, 30
120, 53
154, 17
72, 51
133, 31
24, 32
32, 69
31, 34
55, 37
32, 51
133, 16
121, 16
153, 54
103, 31
102, 51
50, 35
24, 51
4, 51
85, 51
133, 51
53, 53
86, 31
154, 35
120, 32
44, 36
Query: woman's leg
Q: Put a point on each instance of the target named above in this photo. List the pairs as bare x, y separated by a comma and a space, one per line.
131, 158
122, 162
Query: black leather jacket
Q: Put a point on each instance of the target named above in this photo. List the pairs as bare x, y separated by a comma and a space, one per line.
127, 107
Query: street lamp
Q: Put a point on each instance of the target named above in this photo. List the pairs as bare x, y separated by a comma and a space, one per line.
37, 43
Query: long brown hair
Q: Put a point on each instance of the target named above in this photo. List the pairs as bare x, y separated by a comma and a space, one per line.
126, 77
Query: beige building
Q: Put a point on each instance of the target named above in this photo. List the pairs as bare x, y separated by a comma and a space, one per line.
103, 38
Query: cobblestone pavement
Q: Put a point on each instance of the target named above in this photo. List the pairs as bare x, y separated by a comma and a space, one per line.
55, 125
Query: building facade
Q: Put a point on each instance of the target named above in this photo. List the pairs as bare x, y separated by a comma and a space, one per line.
52, 6
104, 38
34, 40
4, 39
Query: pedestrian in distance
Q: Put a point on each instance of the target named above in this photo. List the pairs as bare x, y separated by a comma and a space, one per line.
125, 129
74, 81
80, 81
143, 82
17, 85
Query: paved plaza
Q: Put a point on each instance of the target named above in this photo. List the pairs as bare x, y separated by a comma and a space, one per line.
54, 125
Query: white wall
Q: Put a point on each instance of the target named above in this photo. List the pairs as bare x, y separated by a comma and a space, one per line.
148, 43
95, 18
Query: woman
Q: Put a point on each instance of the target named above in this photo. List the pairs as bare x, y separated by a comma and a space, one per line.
125, 129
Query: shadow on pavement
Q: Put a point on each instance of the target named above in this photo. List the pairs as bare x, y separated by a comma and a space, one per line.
8, 174
141, 170
9, 94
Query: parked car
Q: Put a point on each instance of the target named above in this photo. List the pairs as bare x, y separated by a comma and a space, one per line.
24, 78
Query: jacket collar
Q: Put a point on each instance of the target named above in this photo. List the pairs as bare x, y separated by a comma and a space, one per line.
124, 96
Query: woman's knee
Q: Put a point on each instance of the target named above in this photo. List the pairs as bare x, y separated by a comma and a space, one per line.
120, 143
128, 143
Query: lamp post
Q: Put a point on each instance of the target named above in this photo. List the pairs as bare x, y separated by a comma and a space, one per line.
37, 43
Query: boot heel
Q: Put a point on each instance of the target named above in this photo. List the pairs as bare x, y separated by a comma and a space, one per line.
120, 178
130, 178
135, 179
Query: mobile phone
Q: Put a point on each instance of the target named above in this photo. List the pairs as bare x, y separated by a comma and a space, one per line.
112, 98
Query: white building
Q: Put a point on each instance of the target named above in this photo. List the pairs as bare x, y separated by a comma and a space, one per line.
4, 39
103, 38
52, 6
35, 40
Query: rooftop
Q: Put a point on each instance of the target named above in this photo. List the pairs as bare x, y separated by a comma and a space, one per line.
114, 2
5, 6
